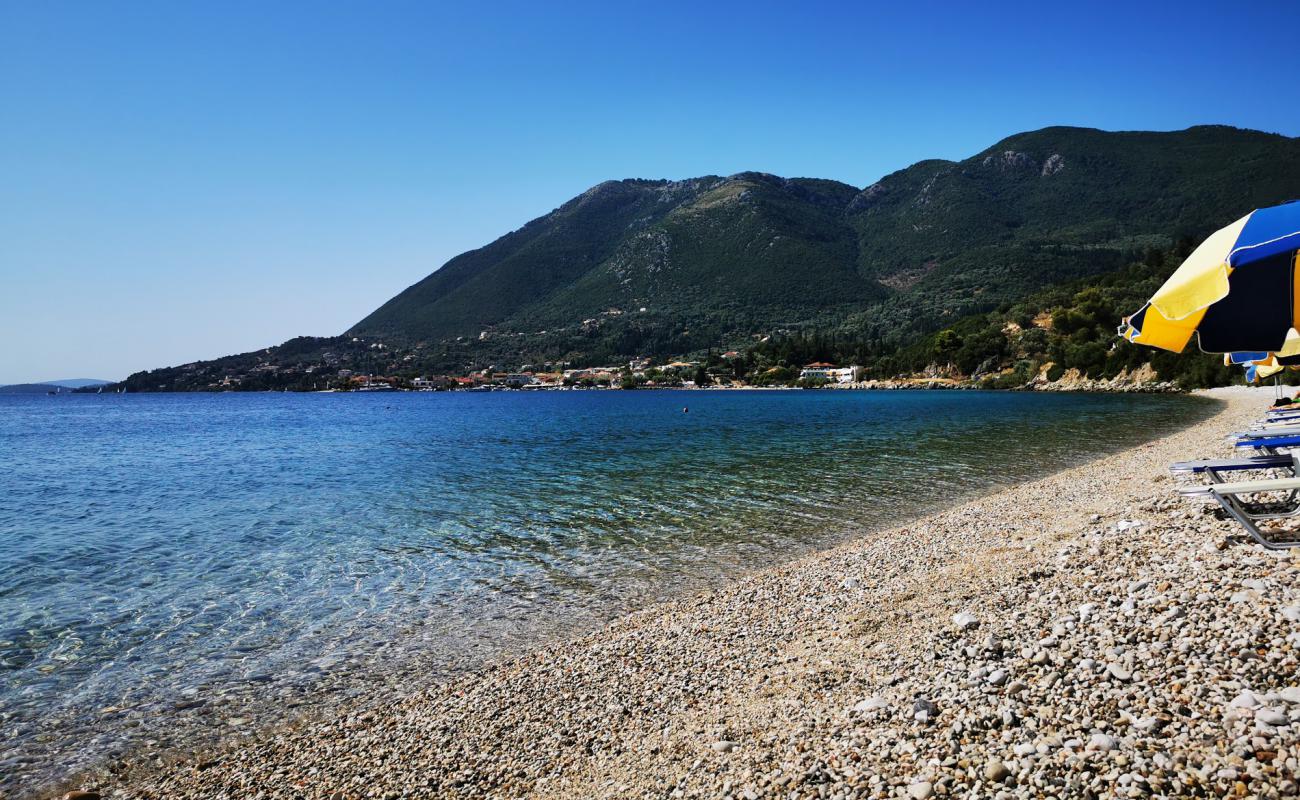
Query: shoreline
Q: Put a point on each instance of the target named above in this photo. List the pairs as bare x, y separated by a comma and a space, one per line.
882, 385
703, 678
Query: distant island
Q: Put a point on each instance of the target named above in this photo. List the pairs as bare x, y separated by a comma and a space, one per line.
53, 387
1009, 269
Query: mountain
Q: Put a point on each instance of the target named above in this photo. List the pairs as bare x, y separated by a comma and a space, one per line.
730, 257
51, 386
32, 388
755, 245
78, 383
681, 268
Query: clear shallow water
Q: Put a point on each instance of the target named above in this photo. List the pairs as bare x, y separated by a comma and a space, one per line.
175, 566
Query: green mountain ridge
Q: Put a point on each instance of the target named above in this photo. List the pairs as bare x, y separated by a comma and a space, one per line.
742, 254
663, 268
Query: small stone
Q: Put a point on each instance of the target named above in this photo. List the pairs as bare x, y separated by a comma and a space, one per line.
965, 620
995, 771
723, 746
81, 795
1119, 673
1102, 742
1177, 612
1272, 716
870, 704
1086, 611
1247, 699
1290, 694
920, 790
924, 710
997, 677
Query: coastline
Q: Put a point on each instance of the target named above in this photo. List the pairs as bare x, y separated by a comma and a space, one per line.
749, 690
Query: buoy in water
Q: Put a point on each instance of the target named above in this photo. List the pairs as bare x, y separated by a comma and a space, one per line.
685, 410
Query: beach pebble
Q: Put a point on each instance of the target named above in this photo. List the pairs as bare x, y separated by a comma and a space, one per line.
920, 790
1102, 742
873, 703
1119, 673
723, 746
965, 620
924, 710
1247, 699
995, 771
1272, 716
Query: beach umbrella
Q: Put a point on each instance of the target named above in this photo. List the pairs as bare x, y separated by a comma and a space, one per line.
1238, 292
1263, 368
1261, 365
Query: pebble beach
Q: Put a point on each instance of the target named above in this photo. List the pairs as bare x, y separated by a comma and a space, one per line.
1089, 634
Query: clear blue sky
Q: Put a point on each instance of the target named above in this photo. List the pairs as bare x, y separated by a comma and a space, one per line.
184, 180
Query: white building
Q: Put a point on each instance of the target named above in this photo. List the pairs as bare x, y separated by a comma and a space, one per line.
829, 373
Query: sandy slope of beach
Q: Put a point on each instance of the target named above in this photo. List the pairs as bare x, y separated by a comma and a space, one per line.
1098, 659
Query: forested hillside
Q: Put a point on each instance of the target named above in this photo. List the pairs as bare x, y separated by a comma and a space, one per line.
914, 272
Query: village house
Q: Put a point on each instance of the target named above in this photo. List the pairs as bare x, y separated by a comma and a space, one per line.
518, 380
820, 370
431, 384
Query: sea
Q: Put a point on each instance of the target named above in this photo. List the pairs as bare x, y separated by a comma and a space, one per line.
177, 569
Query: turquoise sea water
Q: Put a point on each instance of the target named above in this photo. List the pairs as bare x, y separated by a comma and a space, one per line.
180, 566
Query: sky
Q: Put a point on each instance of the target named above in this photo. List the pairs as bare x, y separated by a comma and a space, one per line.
185, 180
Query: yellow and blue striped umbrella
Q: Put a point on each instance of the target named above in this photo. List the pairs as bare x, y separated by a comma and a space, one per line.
1238, 291
1257, 365
1261, 365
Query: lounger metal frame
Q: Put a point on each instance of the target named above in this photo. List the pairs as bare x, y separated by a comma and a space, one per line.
1225, 494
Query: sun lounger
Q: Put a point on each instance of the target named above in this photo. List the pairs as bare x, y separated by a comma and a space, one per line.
1269, 444
1213, 468
1229, 496
1284, 422
1277, 430
1272, 431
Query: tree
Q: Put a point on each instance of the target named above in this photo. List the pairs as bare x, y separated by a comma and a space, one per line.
702, 376
946, 345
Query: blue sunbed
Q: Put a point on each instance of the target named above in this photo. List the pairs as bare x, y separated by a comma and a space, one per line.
1282, 461
1270, 443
